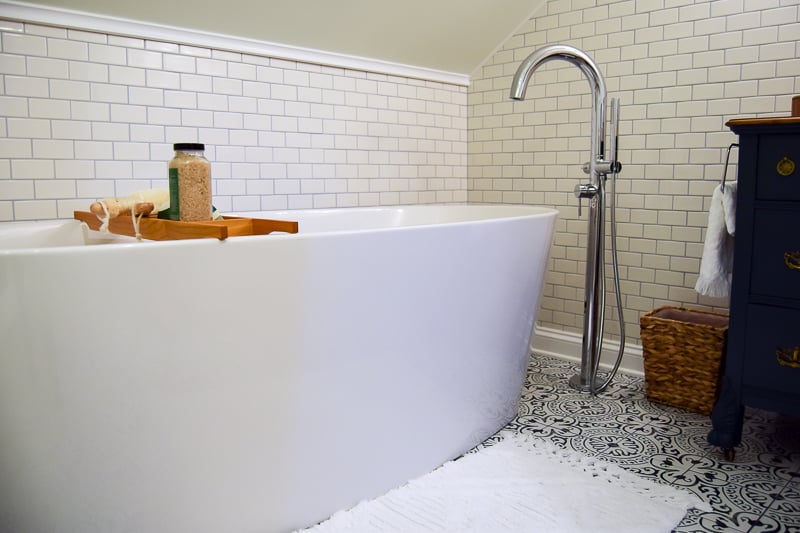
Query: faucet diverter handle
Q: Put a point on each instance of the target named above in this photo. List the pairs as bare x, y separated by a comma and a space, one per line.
584, 190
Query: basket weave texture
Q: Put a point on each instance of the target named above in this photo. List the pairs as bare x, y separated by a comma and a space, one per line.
683, 352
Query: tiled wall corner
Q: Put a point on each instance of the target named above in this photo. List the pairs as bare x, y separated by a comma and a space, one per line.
681, 70
85, 115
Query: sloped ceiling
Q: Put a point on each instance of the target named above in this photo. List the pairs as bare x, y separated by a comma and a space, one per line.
448, 35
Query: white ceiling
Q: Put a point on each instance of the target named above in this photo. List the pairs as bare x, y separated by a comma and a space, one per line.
447, 35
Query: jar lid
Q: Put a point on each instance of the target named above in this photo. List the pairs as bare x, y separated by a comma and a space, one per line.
188, 146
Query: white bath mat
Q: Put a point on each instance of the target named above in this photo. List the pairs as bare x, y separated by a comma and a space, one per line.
521, 484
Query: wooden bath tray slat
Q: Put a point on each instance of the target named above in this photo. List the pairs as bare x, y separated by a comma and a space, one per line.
158, 229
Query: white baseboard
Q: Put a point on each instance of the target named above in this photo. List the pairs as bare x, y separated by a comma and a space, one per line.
566, 345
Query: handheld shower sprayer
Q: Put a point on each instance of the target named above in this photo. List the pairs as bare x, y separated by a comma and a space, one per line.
599, 168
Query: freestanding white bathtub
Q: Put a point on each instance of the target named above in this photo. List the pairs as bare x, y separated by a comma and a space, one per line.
256, 384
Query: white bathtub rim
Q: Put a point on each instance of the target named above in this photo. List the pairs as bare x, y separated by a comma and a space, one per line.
532, 212
524, 209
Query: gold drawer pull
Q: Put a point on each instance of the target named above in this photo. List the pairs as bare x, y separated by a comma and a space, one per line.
789, 356
785, 166
792, 260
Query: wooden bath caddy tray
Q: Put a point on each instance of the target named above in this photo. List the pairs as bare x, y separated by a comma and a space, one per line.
158, 229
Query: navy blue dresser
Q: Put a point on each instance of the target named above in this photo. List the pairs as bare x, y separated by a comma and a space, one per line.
762, 363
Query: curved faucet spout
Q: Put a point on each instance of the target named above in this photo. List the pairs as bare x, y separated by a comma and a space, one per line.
580, 59
548, 53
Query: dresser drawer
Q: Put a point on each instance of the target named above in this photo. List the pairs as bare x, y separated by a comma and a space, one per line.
778, 167
776, 253
771, 330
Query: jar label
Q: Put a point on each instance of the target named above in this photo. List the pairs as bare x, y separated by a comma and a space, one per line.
174, 210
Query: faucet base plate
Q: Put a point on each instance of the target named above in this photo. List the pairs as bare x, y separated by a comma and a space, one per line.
577, 383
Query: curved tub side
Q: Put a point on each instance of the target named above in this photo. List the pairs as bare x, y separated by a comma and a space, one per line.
256, 384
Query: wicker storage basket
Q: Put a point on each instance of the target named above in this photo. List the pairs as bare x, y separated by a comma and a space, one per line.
683, 351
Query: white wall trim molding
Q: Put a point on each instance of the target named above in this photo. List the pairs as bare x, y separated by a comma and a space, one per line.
566, 345
51, 16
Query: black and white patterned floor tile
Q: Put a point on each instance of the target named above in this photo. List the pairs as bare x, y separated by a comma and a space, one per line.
759, 491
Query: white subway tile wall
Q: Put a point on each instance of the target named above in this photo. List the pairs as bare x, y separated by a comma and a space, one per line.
681, 69
87, 115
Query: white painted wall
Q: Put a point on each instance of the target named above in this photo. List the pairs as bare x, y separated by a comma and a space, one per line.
449, 35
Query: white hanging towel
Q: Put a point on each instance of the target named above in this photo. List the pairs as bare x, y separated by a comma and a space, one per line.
716, 265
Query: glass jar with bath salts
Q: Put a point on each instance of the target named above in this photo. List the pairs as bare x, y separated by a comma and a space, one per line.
189, 184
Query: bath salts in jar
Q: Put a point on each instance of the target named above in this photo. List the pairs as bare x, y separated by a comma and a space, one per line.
189, 184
